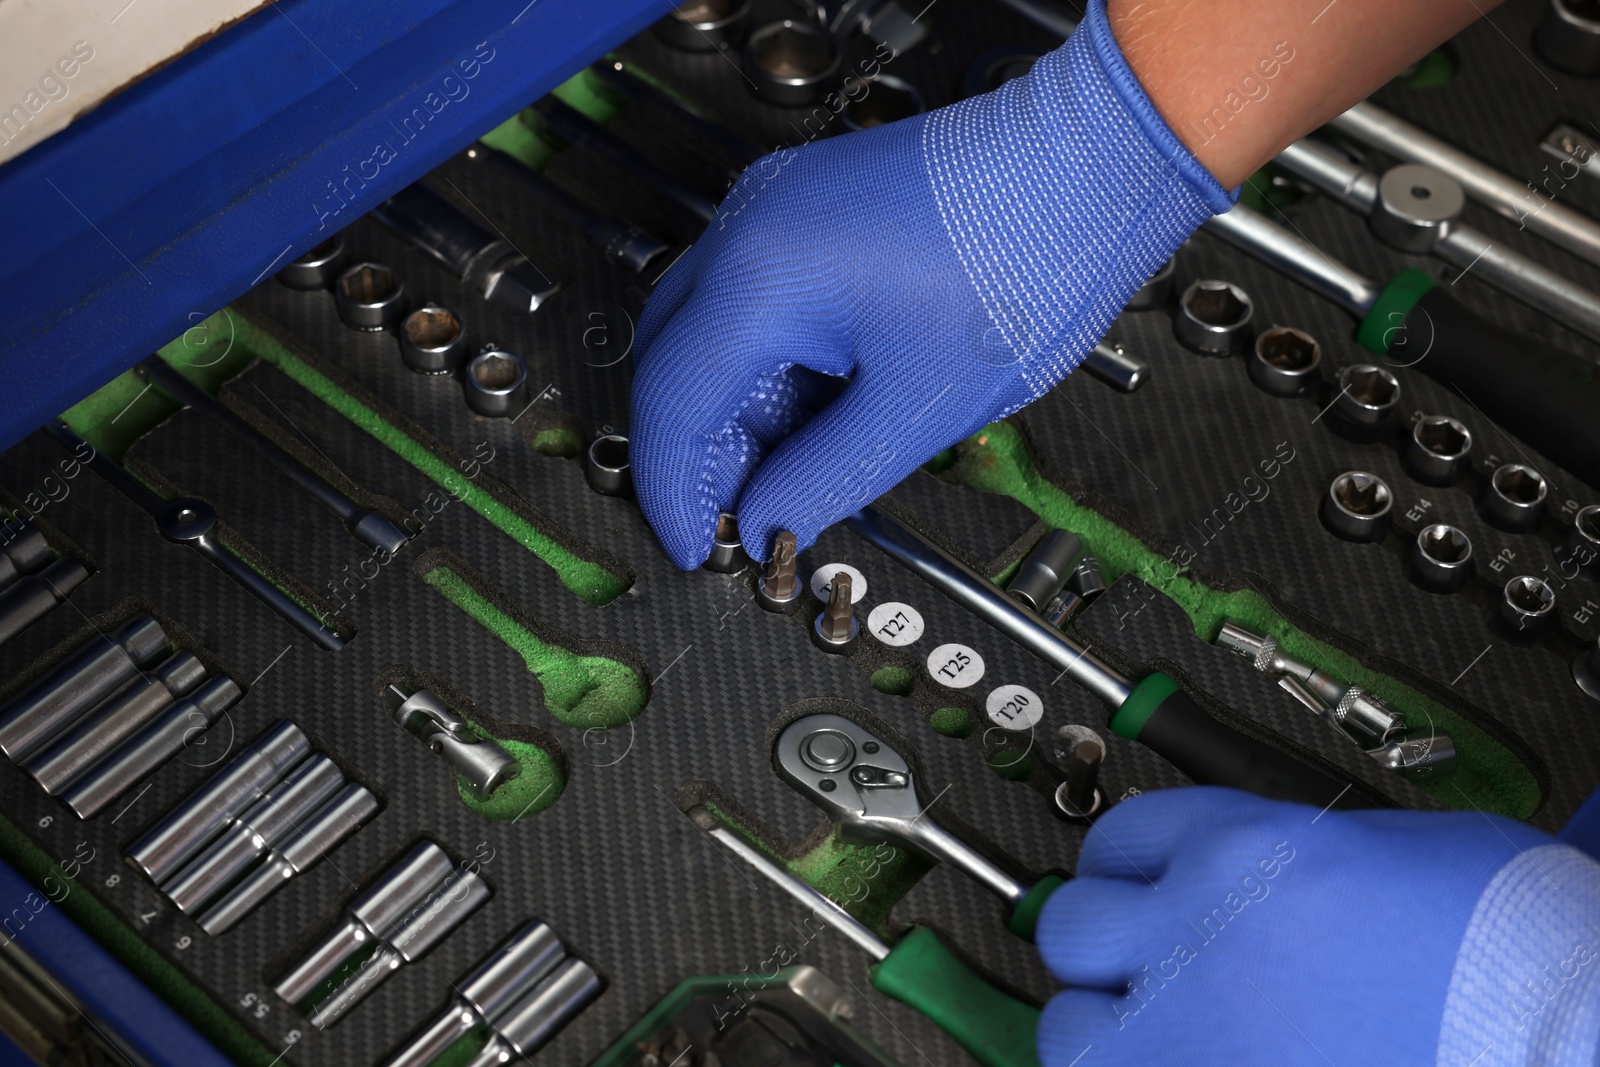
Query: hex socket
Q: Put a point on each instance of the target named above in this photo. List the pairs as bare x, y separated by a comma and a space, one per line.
1213, 318
1568, 37
1045, 570
1527, 605
1157, 289
432, 340
1438, 451
887, 99
1086, 578
317, 269
1441, 559
495, 384
606, 468
1369, 396
791, 63
727, 550
704, 25
1514, 499
369, 297
1357, 506
1285, 361
1579, 553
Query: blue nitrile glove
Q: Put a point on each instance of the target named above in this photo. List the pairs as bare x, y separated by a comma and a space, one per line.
953, 266
1209, 927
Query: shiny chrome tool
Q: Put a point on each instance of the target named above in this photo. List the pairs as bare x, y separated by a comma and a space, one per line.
23, 550
370, 297
478, 761
369, 527
495, 985
606, 466
727, 550
485, 262
1361, 714
528, 1024
192, 522
1045, 570
1116, 366
1357, 506
33, 596
867, 789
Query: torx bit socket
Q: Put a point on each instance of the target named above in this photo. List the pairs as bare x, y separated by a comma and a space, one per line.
266, 823
1285, 362
98, 733
478, 761
98, 668
1078, 797
1514, 499
158, 742
527, 1025
1045, 570
23, 550
395, 894
189, 827
1527, 605
1368, 397
836, 629
1086, 580
1441, 558
515, 967
727, 550
306, 843
1439, 450
33, 596
778, 590
1357, 506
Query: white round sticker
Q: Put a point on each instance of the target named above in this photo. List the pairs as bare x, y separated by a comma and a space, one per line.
956, 666
1014, 707
822, 581
895, 623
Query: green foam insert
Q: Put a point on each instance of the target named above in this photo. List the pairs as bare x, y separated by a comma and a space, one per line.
536, 788
1486, 774
1011, 766
129, 948
896, 681
952, 722
589, 580
520, 135
579, 691
558, 442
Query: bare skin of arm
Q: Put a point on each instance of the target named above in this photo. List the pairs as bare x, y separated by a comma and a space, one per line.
1239, 85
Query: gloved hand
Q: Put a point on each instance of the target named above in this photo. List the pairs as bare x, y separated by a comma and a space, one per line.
953, 266
1207, 926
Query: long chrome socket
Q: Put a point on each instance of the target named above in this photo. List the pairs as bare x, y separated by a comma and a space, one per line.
99, 667
33, 596
197, 821
23, 550
539, 1016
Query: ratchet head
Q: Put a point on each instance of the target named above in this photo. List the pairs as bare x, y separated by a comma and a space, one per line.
864, 785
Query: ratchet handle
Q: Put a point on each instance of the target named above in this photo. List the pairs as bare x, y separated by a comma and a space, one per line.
1025, 916
996, 1029
1545, 396
1161, 716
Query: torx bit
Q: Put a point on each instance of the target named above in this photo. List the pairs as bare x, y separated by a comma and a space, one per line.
779, 588
100, 666
836, 628
1078, 798
97, 734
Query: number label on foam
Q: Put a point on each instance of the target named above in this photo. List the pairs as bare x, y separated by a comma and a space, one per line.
955, 666
895, 624
1014, 707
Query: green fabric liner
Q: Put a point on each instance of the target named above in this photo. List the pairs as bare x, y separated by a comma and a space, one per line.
998, 1030
579, 691
558, 442
1486, 774
523, 136
1026, 916
589, 580
133, 951
1432, 70
837, 870
1142, 703
896, 681
952, 722
535, 789
1388, 315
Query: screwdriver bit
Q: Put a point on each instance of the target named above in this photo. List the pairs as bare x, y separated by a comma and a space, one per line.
836, 628
1078, 798
779, 589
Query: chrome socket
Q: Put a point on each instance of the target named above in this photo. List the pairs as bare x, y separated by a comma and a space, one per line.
727, 551
1415, 753
1112, 364
317, 269
23, 550
1441, 559
1213, 318
1579, 553
1086, 579
1568, 38
606, 467
1368, 396
1044, 572
1357, 506
887, 99
1154, 294
1061, 608
704, 25
495, 384
1438, 451
791, 63
1527, 605
369, 297
1415, 205
1514, 499
1286, 361
432, 340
